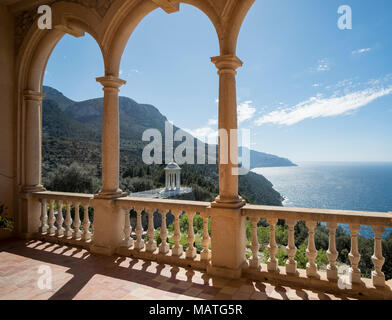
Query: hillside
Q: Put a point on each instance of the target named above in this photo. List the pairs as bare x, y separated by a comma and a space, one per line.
72, 133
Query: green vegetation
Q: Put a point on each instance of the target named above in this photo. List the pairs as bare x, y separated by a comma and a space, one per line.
72, 137
5, 222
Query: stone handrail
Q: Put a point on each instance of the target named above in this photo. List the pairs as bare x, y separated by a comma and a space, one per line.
377, 220
322, 215
163, 204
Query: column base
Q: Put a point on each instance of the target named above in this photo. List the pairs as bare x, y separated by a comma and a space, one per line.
32, 189
378, 280
111, 195
228, 203
224, 272
106, 251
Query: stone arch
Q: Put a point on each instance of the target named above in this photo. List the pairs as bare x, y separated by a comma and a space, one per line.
122, 21
38, 45
33, 56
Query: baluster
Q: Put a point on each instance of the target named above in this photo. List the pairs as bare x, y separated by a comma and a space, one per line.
68, 221
378, 259
163, 247
206, 252
44, 217
128, 241
86, 224
354, 272
151, 244
272, 263
255, 262
311, 252
332, 270
139, 244
77, 234
291, 264
51, 220
60, 219
177, 249
191, 250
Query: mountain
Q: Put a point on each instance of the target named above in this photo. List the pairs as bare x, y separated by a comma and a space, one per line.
260, 159
135, 118
72, 132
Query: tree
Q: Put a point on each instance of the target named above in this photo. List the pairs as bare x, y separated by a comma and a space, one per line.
74, 178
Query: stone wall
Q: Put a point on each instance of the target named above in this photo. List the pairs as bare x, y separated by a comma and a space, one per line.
7, 112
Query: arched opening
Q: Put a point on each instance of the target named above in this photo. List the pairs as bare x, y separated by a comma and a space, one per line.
313, 88
169, 78
72, 116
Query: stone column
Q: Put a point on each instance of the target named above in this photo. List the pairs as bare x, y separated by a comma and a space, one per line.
227, 122
109, 218
32, 141
110, 138
28, 221
228, 238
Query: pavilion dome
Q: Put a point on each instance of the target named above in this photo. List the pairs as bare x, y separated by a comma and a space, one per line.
172, 165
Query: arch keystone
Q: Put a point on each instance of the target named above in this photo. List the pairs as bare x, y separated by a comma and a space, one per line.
169, 6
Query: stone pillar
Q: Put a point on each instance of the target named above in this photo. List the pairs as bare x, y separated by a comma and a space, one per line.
228, 238
109, 218
30, 208
227, 122
32, 141
110, 138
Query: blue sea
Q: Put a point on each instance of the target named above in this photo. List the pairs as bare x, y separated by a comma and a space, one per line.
335, 185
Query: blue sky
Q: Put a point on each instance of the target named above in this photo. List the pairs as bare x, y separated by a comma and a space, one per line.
307, 91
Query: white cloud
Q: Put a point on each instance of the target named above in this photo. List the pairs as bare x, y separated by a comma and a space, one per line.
245, 111
121, 72
212, 122
209, 133
323, 65
363, 50
204, 134
319, 107
217, 100
315, 85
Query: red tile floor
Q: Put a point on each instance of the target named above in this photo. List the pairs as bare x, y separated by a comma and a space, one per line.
77, 274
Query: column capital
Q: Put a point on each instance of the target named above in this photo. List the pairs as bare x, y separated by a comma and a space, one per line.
31, 95
111, 82
227, 63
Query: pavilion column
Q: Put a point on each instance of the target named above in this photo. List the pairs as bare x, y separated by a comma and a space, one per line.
178, 180
28, 221
228, 239
110, 138
227, 125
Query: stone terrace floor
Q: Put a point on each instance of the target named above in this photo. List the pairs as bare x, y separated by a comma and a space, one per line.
77, 274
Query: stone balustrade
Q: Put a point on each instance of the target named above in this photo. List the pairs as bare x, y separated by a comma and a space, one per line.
141, 243
60, 222
312, 277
